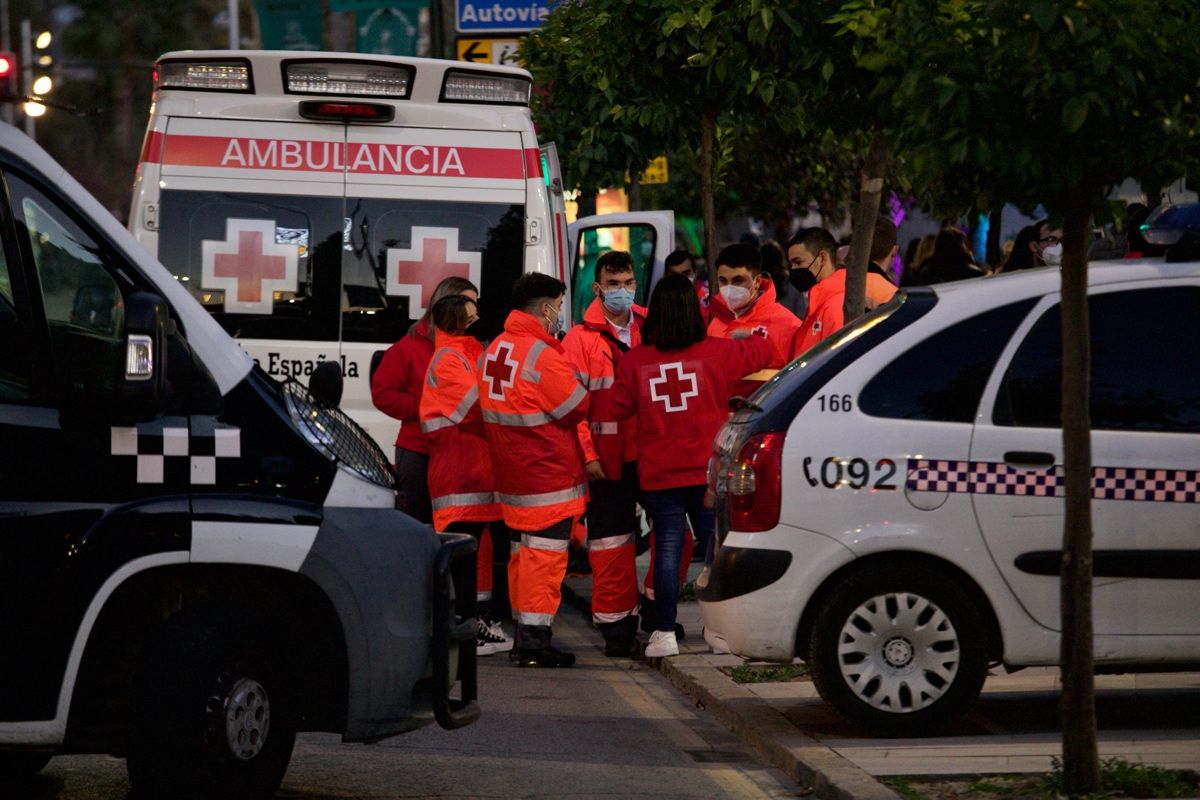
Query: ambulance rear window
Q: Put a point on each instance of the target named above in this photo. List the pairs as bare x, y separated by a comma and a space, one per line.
270, 266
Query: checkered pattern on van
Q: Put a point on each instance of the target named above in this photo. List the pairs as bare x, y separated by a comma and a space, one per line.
1108, 483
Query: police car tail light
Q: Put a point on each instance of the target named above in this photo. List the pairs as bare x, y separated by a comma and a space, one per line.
348, 79
754, 483
464, 86
211, 76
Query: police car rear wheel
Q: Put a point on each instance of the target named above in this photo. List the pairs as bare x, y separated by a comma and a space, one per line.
212, 712
899, 651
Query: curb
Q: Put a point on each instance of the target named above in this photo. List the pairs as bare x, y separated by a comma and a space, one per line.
780, 743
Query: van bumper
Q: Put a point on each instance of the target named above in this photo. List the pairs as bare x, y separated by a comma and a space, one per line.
759, 585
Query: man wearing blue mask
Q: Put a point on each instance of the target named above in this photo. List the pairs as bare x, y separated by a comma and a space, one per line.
611, 326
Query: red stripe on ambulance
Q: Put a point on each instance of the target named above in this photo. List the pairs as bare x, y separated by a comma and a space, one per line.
357, 157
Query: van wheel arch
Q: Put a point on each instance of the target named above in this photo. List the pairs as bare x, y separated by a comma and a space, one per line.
99, 718
952, 573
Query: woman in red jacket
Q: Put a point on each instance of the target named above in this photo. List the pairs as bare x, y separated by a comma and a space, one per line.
461, 485
678, 383
396, 391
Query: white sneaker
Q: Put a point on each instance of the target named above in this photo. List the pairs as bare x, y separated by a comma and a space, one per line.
662, 644
491, 638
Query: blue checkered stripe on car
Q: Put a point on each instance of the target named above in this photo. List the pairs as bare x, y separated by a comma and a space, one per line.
1108, 483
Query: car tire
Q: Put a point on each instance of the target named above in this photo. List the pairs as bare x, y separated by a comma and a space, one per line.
16, 764
213, 714
899, 650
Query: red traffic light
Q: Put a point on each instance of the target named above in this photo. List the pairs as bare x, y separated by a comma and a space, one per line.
8, 65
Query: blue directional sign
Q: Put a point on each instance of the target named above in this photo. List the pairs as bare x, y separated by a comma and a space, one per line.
501, 16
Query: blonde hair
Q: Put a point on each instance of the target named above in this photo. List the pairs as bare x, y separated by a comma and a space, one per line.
449, 286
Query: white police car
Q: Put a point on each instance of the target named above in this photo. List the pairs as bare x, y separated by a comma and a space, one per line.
890, 508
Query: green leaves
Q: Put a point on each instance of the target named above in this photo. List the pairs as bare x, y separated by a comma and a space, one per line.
1044, 14
1074, 113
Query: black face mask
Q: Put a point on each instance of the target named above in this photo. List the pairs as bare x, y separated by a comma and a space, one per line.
803, 279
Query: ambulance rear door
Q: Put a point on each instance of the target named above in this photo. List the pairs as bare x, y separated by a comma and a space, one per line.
648, 236
422, 205
251, 220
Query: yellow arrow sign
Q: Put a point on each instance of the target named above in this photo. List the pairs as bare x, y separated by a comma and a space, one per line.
488, 51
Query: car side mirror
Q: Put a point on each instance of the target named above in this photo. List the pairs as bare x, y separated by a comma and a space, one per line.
142, 388
325, 383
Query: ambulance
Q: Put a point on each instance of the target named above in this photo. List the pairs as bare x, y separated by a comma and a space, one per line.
196, 561
311, 202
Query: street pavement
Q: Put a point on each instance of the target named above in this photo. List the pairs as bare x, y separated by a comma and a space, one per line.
1148, 718
608, 728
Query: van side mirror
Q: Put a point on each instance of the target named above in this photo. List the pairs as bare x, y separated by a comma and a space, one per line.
142, 387
326, 384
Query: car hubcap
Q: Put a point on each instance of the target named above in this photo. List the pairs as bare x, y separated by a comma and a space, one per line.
247, 716
898, 652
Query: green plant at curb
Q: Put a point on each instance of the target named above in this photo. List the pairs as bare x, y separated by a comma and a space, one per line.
688, 592
746, 673
1126, 779
903, 788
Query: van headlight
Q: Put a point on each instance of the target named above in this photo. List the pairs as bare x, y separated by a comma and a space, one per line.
336, 436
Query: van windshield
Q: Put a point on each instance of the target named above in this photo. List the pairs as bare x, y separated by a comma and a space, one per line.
295, 267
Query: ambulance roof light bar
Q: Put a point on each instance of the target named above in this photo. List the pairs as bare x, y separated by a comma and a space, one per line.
227, 75
466, 86
347, 78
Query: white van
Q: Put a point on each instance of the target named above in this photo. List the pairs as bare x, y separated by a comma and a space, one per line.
196, 561
311, 202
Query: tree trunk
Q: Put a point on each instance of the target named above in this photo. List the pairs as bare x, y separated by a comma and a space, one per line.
708, 127
585, 204
1081, 763
870, 188
635, 191
994, 255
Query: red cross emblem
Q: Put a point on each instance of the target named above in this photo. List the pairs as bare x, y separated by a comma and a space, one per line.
249, 266
433, 257
669, 390
500, 370
761, 330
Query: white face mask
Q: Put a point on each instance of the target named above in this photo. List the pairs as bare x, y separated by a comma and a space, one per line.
1052, 255
736, 297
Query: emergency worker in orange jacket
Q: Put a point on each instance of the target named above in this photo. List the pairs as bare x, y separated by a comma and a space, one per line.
461, 485
532, 405
611, 326
746, 306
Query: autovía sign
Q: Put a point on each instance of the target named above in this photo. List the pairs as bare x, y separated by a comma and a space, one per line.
501, 16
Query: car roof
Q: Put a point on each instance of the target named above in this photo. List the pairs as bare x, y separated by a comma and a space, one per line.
1007, 287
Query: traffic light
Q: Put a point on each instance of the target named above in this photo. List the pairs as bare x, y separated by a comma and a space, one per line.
8, 65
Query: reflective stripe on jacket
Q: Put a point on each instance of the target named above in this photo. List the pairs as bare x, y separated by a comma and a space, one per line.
531, 403
461, 485
594, 356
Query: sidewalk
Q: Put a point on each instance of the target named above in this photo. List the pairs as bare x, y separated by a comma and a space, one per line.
1012, 728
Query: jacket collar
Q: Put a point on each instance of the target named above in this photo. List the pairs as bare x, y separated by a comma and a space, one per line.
520, 323
465, 344
594, 318
721, 311
831, 285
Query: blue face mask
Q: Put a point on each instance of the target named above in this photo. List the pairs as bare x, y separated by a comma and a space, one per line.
618, 301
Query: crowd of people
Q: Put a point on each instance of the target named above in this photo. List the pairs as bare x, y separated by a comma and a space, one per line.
536, 438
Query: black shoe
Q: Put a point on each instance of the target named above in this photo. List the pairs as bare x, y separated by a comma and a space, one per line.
545, 657
619, 647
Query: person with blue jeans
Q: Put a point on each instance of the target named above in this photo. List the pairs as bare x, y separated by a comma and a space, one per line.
677, 383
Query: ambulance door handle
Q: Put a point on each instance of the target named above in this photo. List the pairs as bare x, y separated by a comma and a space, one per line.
1026, 458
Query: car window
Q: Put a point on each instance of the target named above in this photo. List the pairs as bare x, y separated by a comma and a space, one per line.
14, 371
942, 378
1145, 369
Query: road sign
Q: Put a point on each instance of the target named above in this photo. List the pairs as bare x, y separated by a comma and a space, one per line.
388, 31
656, 171
500, 16
488, 51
